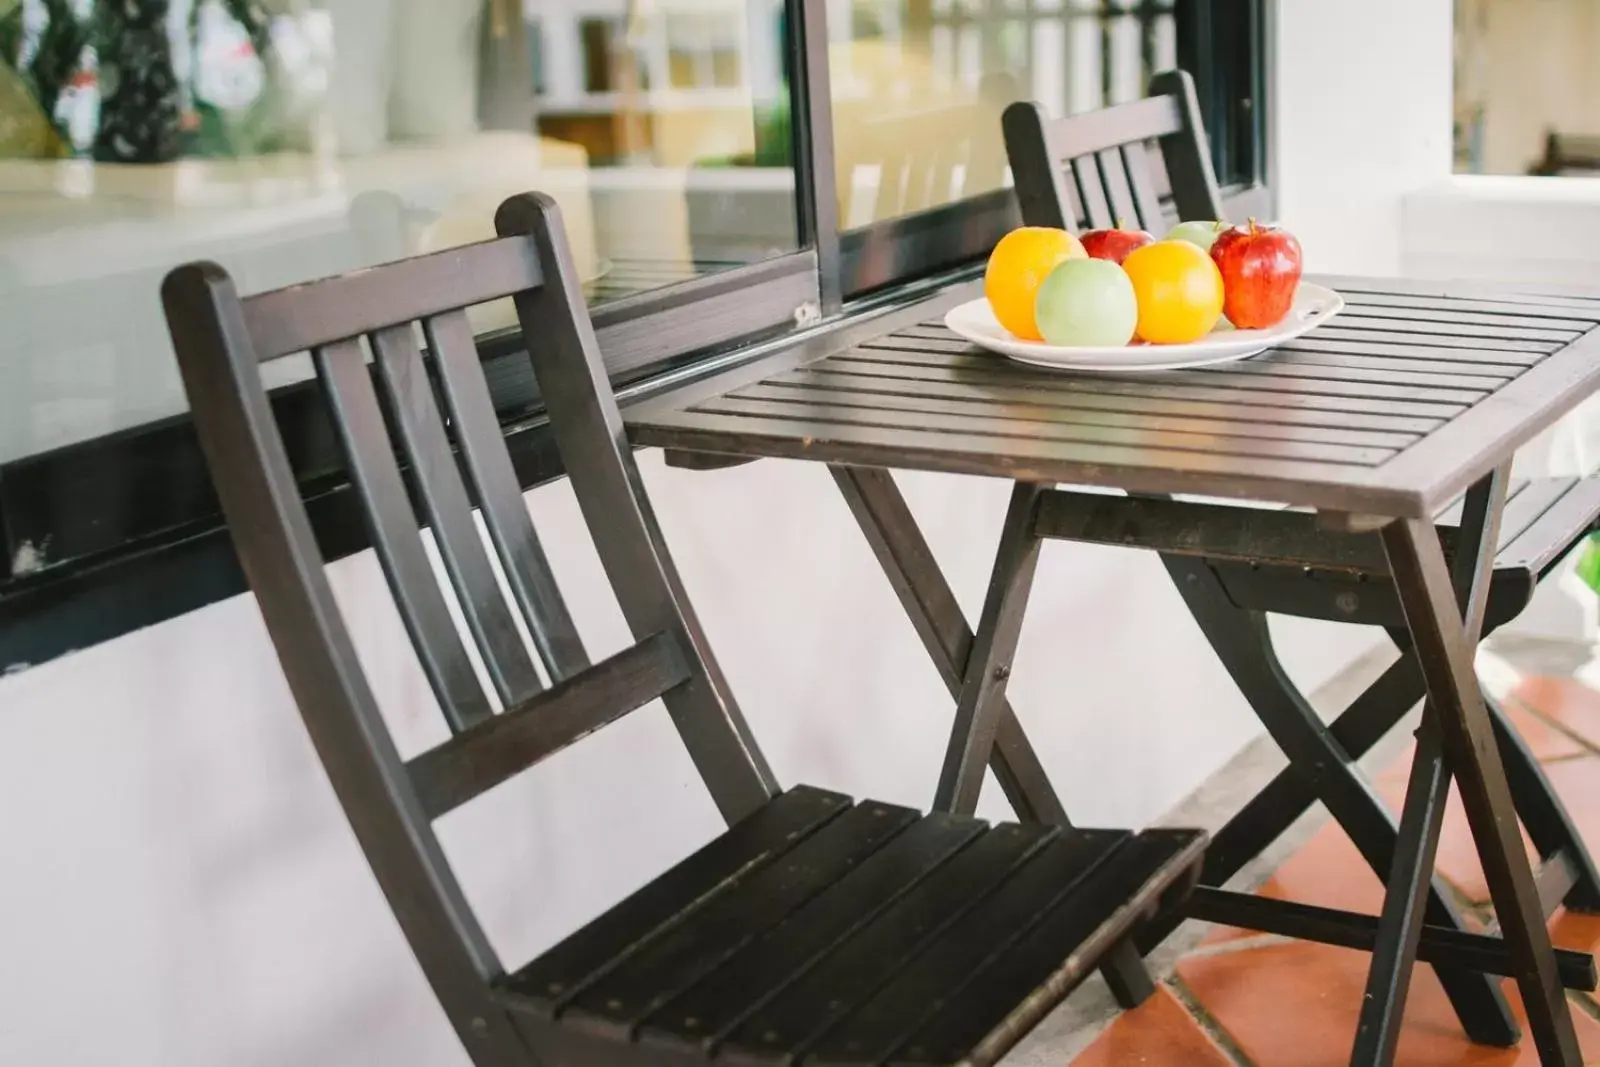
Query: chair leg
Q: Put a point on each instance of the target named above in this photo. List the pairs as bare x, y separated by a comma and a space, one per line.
1545, 817
1243, 644
1445, 644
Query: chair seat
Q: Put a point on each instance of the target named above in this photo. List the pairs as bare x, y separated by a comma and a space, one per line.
1545, 518
823, 931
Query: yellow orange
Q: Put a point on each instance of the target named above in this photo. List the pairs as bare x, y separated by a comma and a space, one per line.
1017, 267
1179, 290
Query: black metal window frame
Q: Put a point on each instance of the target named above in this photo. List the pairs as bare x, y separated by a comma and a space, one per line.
127, 525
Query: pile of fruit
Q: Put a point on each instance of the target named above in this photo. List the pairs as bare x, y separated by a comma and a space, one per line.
1115, 287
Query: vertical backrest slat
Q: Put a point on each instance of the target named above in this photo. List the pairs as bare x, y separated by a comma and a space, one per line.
1087, 176
1186, 152
1136, 161
444, 497
522, 557
360, 424
599, 461
1115, 178
1035, 173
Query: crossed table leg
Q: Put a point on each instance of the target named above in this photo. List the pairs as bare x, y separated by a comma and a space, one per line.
1458, 737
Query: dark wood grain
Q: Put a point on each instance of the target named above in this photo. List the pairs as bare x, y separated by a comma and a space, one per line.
960, 1027
702, 940
1021, 406
858, 966
1137, 163
362, 432
751, 844
302, 317
449, 512
1052, 425
1086, 177
504, 745
763, 968
523, 561
1002, 918
1268, 420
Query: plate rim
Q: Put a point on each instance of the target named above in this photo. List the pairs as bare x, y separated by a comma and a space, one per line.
1208, 355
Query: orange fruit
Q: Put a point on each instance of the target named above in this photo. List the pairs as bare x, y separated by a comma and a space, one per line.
1179, 290
1017, 267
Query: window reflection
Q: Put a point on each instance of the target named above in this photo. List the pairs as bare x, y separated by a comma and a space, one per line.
918, 87
289, 140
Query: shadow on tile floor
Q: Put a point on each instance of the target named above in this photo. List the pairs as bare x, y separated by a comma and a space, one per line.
1241, 998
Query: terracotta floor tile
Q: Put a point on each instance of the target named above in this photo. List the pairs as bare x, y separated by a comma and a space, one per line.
1581, 933
1296, 1005
1160, 1032
1567, 701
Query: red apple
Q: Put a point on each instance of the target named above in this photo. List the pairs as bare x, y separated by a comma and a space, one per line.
1261, 268
1114, 244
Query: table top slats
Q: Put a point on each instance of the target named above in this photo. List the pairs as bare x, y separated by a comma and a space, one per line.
1263, 375
1481, 375
1043, 380
1462, 316
1271, 421
1558, 314
1392, 408
1413, 331
1066, 429
1319, 342
1059, 415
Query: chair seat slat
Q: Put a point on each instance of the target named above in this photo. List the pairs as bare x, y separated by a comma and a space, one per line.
507, 744
444, 496
395, 535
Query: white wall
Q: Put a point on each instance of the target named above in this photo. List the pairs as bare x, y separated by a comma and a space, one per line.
175, 858
1361, 116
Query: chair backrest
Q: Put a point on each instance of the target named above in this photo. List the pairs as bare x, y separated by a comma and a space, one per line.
535, 702
1120, 163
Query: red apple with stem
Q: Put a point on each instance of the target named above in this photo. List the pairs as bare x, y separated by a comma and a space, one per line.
1114, 244
1261, 267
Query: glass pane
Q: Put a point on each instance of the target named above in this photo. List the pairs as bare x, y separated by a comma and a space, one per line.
1527, 98
919, 85
295, 140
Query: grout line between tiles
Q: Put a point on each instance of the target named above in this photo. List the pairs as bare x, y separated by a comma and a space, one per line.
1208, 1023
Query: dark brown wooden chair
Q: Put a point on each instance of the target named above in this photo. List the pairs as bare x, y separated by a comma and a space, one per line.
1147, 161
815, 928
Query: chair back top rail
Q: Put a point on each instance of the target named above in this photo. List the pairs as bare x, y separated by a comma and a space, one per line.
422, 445
1112, 166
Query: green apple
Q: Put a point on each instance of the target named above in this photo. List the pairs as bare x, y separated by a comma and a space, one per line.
1201, 232
1086, 303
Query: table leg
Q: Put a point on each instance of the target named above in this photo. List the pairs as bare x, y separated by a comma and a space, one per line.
1443, 640
988, 668
1243, 643
903, 553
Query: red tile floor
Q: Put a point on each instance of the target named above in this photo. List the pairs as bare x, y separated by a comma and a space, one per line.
1241, 998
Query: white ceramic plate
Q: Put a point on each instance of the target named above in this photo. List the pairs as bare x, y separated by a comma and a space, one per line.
1313, 305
